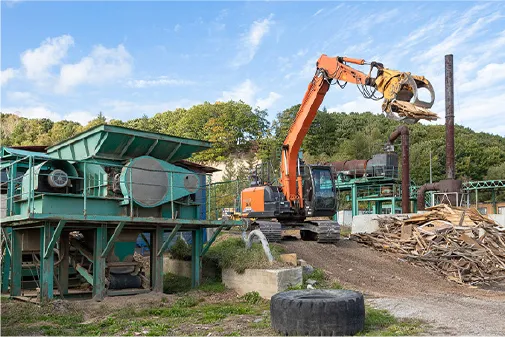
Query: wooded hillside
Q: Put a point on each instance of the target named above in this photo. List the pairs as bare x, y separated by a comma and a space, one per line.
237, 129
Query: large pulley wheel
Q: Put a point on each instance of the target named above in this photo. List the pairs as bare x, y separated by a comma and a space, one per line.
318, 312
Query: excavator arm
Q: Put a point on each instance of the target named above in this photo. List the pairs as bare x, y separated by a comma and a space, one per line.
401, 102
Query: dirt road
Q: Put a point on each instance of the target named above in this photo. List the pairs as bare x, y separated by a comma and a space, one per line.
407, 290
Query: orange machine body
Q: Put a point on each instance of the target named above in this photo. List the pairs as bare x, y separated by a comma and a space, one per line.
253, 199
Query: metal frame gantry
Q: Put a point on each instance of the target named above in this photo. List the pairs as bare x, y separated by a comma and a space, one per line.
51, 232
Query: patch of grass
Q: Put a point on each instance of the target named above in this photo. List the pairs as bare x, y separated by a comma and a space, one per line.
175, 284
231, 253
252, 297
216, 312
213, 287
382, 323
186, 302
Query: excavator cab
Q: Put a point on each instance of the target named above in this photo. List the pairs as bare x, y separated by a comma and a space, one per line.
319, 197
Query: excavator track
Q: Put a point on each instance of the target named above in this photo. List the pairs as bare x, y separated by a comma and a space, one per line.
321, 231
271, 229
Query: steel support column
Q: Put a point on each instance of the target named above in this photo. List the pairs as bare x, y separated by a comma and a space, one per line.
196, 257
64, 264
6, 259
99, 263
46, 269
354, 200
157, 260
16, 259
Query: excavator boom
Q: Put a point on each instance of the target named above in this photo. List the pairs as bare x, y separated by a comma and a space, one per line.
401, 102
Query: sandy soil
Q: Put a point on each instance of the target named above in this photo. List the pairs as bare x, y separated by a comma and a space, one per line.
407, 290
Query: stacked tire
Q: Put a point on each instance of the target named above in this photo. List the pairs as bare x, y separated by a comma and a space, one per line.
318, 312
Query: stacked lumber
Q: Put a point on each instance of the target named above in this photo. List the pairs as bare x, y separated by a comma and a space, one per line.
459, 243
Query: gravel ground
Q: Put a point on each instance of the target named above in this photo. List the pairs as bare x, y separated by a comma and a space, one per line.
407, 290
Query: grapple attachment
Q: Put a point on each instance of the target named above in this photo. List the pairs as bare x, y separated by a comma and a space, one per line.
401, 100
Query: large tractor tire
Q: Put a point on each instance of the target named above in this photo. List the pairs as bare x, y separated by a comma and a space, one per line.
318, 312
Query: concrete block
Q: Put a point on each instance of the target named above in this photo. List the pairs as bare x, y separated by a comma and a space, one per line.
177, 267
499, 218
289, 258
266, 282
367, 223
183, 268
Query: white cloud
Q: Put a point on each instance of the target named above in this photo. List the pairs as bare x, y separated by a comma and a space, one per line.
160, 81
42, 111
20, 96
102, 65
358, 48
267, 102
463, 32
177, 28
246, 92
493, 73
33, 112
38, 62
359, 104
7, 75
81, 117
250, 42
318, 12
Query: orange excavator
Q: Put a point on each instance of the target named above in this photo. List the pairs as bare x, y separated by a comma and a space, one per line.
308, 191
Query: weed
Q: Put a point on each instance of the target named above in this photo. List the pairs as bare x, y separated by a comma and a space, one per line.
382, 323
213, 287
186, 302
252, 297
215, 312
175, 284
317, 275
336, 285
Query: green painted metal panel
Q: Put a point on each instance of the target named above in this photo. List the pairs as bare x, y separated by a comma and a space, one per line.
72, 205
120, 143
96, 178
124, 249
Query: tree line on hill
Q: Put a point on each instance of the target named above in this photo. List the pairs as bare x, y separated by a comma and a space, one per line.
237, 129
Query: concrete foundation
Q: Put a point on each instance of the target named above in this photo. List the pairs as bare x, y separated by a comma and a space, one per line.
266, 282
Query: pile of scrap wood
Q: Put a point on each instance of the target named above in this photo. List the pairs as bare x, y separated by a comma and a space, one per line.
460, 243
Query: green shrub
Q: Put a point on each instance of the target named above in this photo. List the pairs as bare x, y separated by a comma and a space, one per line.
252, 297
180, 250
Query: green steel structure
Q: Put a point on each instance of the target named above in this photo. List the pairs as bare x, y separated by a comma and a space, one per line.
486, 185
80, 207
377, 193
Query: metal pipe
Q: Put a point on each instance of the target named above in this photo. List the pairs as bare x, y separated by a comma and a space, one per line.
404, 132
420, 194
264, 242
449, 117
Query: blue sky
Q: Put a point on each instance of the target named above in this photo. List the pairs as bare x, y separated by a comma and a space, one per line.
70, 60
